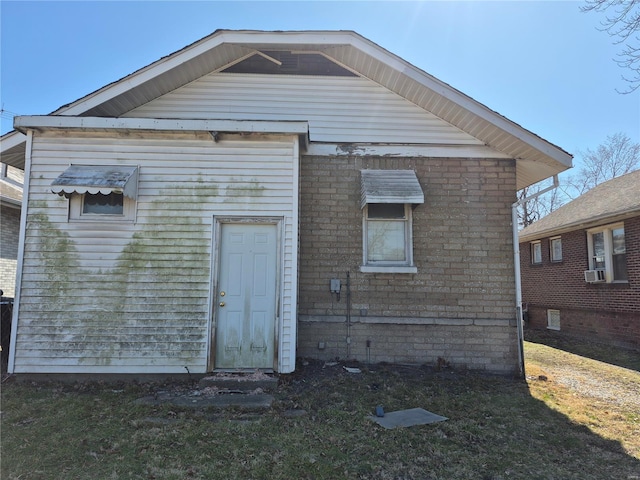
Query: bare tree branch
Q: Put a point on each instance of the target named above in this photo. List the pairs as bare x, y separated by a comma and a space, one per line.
622, 23
617, 156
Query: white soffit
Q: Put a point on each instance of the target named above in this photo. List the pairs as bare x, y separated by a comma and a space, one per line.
390, 186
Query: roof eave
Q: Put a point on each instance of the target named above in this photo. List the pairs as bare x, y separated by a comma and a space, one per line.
610, 217
553, 159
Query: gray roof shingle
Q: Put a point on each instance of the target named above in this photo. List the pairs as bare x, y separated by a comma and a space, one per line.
617, 197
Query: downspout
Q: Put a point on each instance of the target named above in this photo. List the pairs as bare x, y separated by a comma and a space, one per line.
516, 263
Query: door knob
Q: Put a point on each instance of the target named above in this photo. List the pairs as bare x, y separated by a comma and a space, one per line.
222, 294
222, 304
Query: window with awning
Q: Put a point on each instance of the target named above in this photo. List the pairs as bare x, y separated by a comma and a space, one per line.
98, 192
92, 179
387, 199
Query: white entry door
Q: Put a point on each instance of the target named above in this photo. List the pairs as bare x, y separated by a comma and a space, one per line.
246, 296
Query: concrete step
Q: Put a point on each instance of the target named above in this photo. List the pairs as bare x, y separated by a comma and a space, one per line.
239, 382
245, 391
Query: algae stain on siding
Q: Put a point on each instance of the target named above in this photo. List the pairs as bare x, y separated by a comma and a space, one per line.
240, 189
159, 271
172, 274
56, 254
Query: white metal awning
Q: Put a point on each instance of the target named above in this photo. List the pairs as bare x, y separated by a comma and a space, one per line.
97, 179
390, 186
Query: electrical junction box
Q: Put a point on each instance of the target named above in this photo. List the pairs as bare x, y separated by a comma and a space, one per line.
335, 285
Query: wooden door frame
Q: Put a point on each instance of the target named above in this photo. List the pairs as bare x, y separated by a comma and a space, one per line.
216, 245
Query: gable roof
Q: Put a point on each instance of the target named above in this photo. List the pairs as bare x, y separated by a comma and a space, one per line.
608, 202
536, 158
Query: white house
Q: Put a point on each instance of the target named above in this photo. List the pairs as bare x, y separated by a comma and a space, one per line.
258, 196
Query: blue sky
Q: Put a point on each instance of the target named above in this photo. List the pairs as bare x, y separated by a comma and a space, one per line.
543, 65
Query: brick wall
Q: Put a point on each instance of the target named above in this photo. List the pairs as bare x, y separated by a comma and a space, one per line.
462, 250
479, 347
9, 233
598, 311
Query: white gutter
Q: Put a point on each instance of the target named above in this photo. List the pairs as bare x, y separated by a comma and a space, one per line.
516, 263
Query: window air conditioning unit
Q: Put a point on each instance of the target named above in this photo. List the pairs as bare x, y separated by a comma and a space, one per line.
593, 276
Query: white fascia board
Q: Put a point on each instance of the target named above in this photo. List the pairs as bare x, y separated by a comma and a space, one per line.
244, 126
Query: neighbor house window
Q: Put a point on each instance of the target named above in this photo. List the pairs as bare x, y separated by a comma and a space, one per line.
553, 319
387, 235
536, 253
607, 252
555, 249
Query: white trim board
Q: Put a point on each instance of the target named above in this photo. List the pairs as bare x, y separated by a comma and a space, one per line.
252, 126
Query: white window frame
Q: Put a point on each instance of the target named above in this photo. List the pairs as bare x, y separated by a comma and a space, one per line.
76, 214
386, 266
536, 247
552, 255
607, 232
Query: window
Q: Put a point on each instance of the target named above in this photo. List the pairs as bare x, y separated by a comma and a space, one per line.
619, 254
553, 319
536, 253
99, 192
607, 252
99, 207
555, 249
387, 199
387, 237
99, 204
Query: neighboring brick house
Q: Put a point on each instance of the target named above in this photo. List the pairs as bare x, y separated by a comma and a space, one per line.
581, 265
11, 179
258, 196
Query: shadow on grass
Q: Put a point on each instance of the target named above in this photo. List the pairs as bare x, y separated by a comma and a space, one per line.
618, 356
496, 430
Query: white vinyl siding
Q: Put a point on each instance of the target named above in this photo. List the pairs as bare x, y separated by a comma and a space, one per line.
338, 109
117, 298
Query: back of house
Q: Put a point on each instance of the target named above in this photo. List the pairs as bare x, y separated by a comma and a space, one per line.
261, 196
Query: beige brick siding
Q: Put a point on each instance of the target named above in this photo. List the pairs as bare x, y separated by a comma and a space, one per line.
463, 292
478, 347
9, 232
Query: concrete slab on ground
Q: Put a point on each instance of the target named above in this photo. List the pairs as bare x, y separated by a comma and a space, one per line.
407, 418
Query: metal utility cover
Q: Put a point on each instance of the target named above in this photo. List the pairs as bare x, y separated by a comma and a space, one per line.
95, 179
390, 186
408, 418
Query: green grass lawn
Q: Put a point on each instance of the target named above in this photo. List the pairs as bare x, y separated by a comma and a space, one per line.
498, 428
